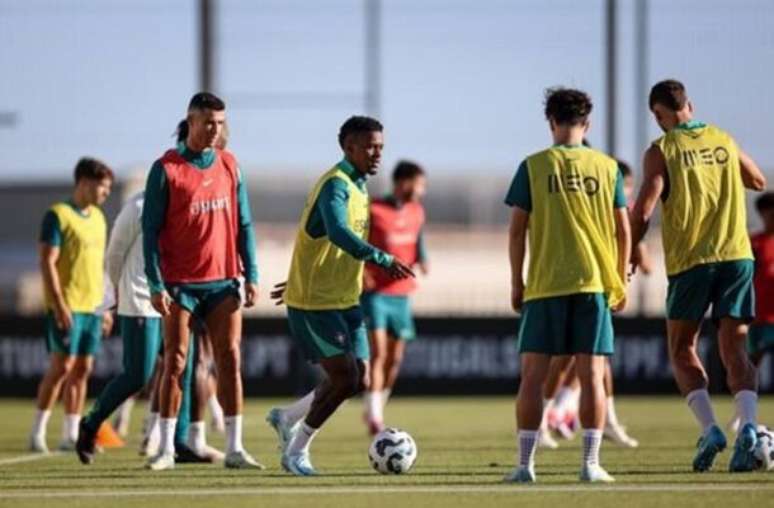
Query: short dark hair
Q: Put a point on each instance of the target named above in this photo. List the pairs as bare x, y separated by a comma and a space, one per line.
406, 170
567, 106
182, 130
624, 168
206, 100
92, 169
765, 202
358, 125
670, 93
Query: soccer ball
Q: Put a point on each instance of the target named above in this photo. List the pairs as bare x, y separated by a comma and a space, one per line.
764, 449
392, 451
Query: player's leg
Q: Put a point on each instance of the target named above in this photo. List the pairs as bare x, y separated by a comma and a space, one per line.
339, 341
372, 398
224, 323
183, 452
741, 377
74, 398
591, 372
211, 390
49, 389
176, 342
197, 434
151, 430
343, 380
396, 349
141, 339
692, 382
733, 308
401, 330
566, 404
557, 371
529, 414
591, 326
613, 428
688, 297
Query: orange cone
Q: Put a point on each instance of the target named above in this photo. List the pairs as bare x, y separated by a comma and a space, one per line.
107, 437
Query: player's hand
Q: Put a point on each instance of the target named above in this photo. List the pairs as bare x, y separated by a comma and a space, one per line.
63, 317
424, 267
251, 294
107, 323
620, 305
398, 270
368, 281
161, 302
517, 297
278, 293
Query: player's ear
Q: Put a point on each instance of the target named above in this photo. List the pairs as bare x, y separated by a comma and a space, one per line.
586, 126
689, 104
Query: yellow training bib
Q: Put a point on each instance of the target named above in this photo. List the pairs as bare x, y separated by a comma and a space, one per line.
323, 276
704, 216
81, 257
572, 239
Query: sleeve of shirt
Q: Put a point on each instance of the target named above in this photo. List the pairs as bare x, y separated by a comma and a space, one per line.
50, 230
421, 248
619, 198
246, 237
332, 203
519, 193
126, 229
153, 212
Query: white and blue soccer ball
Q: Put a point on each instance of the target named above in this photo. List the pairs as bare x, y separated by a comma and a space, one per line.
764, 449
392, 451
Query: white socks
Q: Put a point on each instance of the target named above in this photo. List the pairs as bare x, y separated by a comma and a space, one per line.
612, 418
386, 396
197, 436
528, 440
167, 425
699, 402
40, 422
746, 406
152, 426
301, 440
70, 427
298, 409
592, 440
548, 404
215, 410
374, 405
233, 433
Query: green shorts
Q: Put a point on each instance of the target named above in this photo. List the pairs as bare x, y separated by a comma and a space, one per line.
727, 286
566, 325
760, 338
82, 339
199, 299
327, 333
390, 313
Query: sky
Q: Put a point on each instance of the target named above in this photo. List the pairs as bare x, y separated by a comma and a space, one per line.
462, 80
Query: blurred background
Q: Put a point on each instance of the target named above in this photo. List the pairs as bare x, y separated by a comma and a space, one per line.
458, 85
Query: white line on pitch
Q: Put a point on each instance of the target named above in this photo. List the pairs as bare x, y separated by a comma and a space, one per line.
409, 489
28, 458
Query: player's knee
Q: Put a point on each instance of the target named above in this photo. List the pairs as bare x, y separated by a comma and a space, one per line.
80, 371
229, 360
174, 365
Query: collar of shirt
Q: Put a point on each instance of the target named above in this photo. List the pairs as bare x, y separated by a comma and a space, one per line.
201, 160
393, 201
356, 176
691, 124
561, 145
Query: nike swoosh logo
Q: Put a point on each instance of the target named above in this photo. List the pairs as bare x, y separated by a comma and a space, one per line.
207, 182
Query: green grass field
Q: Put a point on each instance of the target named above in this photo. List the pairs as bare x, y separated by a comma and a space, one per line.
466, 445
